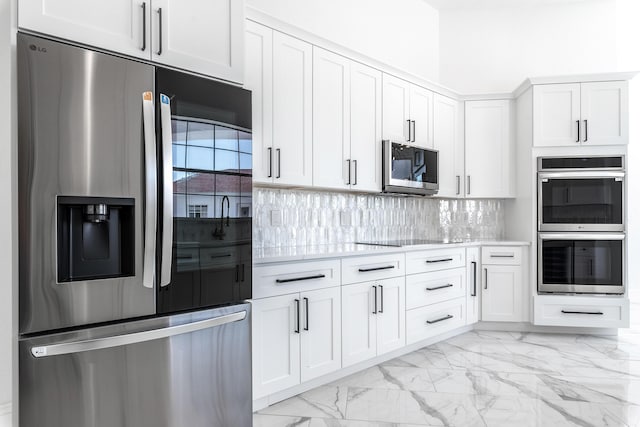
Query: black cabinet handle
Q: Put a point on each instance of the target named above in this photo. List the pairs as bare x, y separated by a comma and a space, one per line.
381, 299
586, 131
159, 31
431, 261
349, 172
596, 313
457, 185
468, 184
486, 278
413, 122
220, 256
306, 314
578, 123
297, 330
375, 299
502, 256
447, 317
355, 172
270, 162
448, 285
144, 26
279, 164
386, 267
298, 279
475, 277
237, 273
409, 124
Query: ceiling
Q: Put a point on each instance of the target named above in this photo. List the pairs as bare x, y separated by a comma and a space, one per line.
490, 4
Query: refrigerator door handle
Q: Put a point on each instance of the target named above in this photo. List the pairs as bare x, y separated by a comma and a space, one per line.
134, 338
151, 191
167, 190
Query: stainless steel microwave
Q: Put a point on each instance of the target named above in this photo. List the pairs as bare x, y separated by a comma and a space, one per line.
408, 169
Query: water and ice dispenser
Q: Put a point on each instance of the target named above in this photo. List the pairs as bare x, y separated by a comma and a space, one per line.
96, 238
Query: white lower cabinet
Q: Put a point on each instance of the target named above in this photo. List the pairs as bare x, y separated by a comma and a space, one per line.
296, 338
373, 319
582, 311
503, 285
435, 319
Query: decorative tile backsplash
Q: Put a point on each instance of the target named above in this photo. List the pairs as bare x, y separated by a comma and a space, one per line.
285, 217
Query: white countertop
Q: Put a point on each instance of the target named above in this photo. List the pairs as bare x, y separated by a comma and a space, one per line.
299, 253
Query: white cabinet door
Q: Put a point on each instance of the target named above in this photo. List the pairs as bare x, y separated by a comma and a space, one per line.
395, 109
474, 285
421, 115
605, 113
320, 340
489, 150
502, 293
366, 128
276, 344
390, 320
331, 133
203, 36
556, 115
122, 26
292, 114
447, 141
258, 79
358, 323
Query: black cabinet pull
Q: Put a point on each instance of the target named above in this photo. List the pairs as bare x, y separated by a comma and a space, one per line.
355, 172
475, 277
586, 131
409, 124
448, 285
447, 317
413, 122
297, 330
279, 164
502, 256
432, 261
306, 313
144, 26
386, 267
270, 162
298, 279
220, 256
237, 273
578, 123
375, 299
596, 313
486, 278
159, 31
457, 185
381, 299
349, 172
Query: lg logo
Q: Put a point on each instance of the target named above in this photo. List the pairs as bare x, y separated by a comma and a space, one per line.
38, 49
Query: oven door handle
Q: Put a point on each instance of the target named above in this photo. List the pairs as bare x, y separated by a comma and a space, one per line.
581, 175
581, 236
167, 189
151, 191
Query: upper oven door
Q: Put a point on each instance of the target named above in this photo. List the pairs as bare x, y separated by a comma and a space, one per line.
410, 169
205, 249
581, 263
581, 201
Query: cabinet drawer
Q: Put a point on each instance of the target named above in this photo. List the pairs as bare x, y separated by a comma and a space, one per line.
502, 255
438, 259
430, 288
364, 269
582, 311
280, 279
432, 320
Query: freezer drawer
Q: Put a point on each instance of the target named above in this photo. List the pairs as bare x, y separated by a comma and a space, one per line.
185, 370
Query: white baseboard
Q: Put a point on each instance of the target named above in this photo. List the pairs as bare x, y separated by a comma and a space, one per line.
5, 414
263, 402
529, 327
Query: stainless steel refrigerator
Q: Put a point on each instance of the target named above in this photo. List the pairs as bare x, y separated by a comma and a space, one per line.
135, 242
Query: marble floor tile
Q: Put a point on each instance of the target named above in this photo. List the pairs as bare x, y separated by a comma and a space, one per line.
261, 420
428, 357
389, 377
321, 402
596, 390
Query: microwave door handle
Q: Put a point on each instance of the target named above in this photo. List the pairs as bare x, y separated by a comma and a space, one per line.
151, 190
167, 190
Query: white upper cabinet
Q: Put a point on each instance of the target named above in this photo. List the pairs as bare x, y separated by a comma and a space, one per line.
122, 26
202, 36
447, 138
331, 121
406, 112
292, 110
489, 151
570, 114
366, 128
604, 107
258, 79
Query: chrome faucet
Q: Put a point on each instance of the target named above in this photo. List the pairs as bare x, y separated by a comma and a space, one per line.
219, 232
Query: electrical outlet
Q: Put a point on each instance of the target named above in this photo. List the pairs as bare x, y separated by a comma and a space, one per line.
276, 218
345, 218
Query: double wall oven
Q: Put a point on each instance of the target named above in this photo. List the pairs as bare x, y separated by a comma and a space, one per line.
581, 225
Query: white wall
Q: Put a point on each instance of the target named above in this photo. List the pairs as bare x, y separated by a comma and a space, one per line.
8, 197
401, 33
495, 49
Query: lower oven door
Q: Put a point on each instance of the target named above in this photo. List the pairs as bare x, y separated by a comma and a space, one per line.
190, 369
591, 263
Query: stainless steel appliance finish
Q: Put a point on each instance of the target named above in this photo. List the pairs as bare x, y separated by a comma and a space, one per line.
80, 134
183, 370
581, 194
408, 169
589, 263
